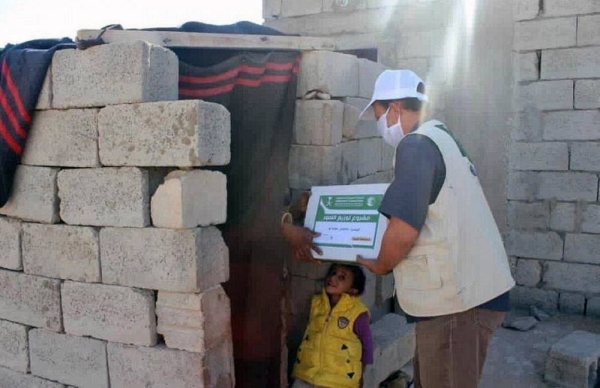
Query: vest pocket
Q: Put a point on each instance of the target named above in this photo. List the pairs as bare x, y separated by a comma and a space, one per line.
420, 273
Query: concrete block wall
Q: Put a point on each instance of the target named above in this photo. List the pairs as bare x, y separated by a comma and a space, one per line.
462, 51
553, 161
110, 262
332, 147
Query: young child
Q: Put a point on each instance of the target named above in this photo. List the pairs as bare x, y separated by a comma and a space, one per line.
337, 343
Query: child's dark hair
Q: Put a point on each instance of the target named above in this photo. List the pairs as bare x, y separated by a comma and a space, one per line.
358, 276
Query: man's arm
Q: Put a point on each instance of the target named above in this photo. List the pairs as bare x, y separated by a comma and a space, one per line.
398, 239
418, 176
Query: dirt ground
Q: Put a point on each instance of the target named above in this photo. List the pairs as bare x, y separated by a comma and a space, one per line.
516, 359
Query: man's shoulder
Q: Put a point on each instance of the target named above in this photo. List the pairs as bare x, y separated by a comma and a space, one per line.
418, 141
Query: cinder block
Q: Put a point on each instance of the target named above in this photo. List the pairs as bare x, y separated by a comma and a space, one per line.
349, 161
421, 66
394, 346
562, 216
572, 277
104, 197
291, 8
546, 95
369, 156
425, 43
10, 379
316, 165
271, 9
368, 71
194, 322
111, 313
10, 243
351, 122
45, 97
526, 9
521, 185
512, 262
572, 125
358, 103
66, 138
570, 7
380, 177
308, 270
388, 156
117, 73
369, 296
332, 23
539, 156
528, 215
527, 66
529, 272
567, 186
571, 63
535, 245
588, 30
583, 248
524, 297
585, 156
593, 307
188, 199
571, 303
354, 128
344, 6
381, 3
68, 359
545, 34
14, 349
587, 93
141, 367
318, 122
385, 287
61, 251
190, 260
177, 133
590, 218
34, 195
30, 300
329, 72
573, 361
528, 126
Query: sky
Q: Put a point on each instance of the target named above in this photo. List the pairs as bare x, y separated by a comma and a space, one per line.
23, 20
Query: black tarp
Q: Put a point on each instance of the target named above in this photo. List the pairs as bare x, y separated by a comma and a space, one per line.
23, 68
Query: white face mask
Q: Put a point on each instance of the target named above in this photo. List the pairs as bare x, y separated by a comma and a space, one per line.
392, 135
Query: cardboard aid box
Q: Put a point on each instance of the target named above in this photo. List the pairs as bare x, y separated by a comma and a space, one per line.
348, 219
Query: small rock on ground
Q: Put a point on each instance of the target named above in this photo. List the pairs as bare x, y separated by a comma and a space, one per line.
520, 323
539, 314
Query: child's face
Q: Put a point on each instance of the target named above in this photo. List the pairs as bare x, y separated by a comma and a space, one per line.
339, 281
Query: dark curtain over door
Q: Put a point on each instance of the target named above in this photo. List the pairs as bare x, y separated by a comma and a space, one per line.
259, 89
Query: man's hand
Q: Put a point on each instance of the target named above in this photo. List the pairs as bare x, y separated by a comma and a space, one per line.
301, 241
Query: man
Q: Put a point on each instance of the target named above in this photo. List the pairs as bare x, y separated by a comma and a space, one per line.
451, 272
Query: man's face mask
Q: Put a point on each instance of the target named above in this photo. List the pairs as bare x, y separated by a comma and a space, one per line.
392, 135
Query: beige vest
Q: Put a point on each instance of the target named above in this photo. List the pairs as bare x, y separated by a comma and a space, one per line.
458, 261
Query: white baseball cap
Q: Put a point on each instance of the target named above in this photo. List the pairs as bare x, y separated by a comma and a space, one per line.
395, 85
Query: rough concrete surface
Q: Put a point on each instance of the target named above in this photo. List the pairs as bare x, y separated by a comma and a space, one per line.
517, 359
